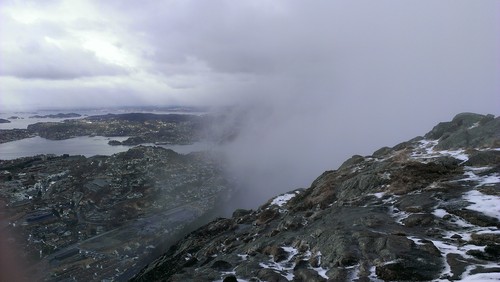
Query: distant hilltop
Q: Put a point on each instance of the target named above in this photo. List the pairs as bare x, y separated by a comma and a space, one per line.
426, 209
59, 115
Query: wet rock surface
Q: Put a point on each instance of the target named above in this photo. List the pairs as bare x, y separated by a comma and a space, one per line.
426, 209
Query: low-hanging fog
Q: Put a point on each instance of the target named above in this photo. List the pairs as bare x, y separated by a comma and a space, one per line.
355, 77
319, 81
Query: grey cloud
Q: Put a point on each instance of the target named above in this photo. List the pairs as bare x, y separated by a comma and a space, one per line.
54, 64
33, 57
82, 97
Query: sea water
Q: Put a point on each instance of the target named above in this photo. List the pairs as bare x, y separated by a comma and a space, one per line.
86, 146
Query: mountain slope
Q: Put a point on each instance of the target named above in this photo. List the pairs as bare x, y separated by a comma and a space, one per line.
426, 209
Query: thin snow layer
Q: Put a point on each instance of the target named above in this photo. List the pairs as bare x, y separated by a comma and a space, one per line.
447, 247
284, 267
455, 220
416, 240
320, 270
425, 150
448, 243
457, 154
489, 179
355, 273
480, 277
243, 256
283, 199
489, 231
379, 195
440, 213
398, 215
484, 180
486, 204
462, 228
478, 169
373, 276
395, 213
474, 125
450, 246
428, 145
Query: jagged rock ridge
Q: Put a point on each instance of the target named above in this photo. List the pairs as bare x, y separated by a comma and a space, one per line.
426, 209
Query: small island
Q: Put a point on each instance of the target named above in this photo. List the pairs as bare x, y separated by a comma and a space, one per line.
4, 120
114, 143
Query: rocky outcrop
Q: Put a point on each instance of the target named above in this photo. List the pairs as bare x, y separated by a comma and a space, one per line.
426, 209
467, 130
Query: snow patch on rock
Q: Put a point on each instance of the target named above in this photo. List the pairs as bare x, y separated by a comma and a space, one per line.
283, 199
425, 150
486, 204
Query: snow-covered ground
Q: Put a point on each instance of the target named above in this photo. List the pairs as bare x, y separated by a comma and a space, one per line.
284, 267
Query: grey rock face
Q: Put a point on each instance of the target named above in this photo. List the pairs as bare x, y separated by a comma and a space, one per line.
422, 210
467, 130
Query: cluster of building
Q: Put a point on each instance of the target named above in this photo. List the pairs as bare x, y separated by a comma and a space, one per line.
104, 217
144, 128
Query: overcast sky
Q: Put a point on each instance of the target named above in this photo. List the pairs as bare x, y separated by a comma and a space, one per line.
78, 53
327, 79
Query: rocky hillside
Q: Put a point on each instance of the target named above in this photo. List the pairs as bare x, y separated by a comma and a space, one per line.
426, 209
